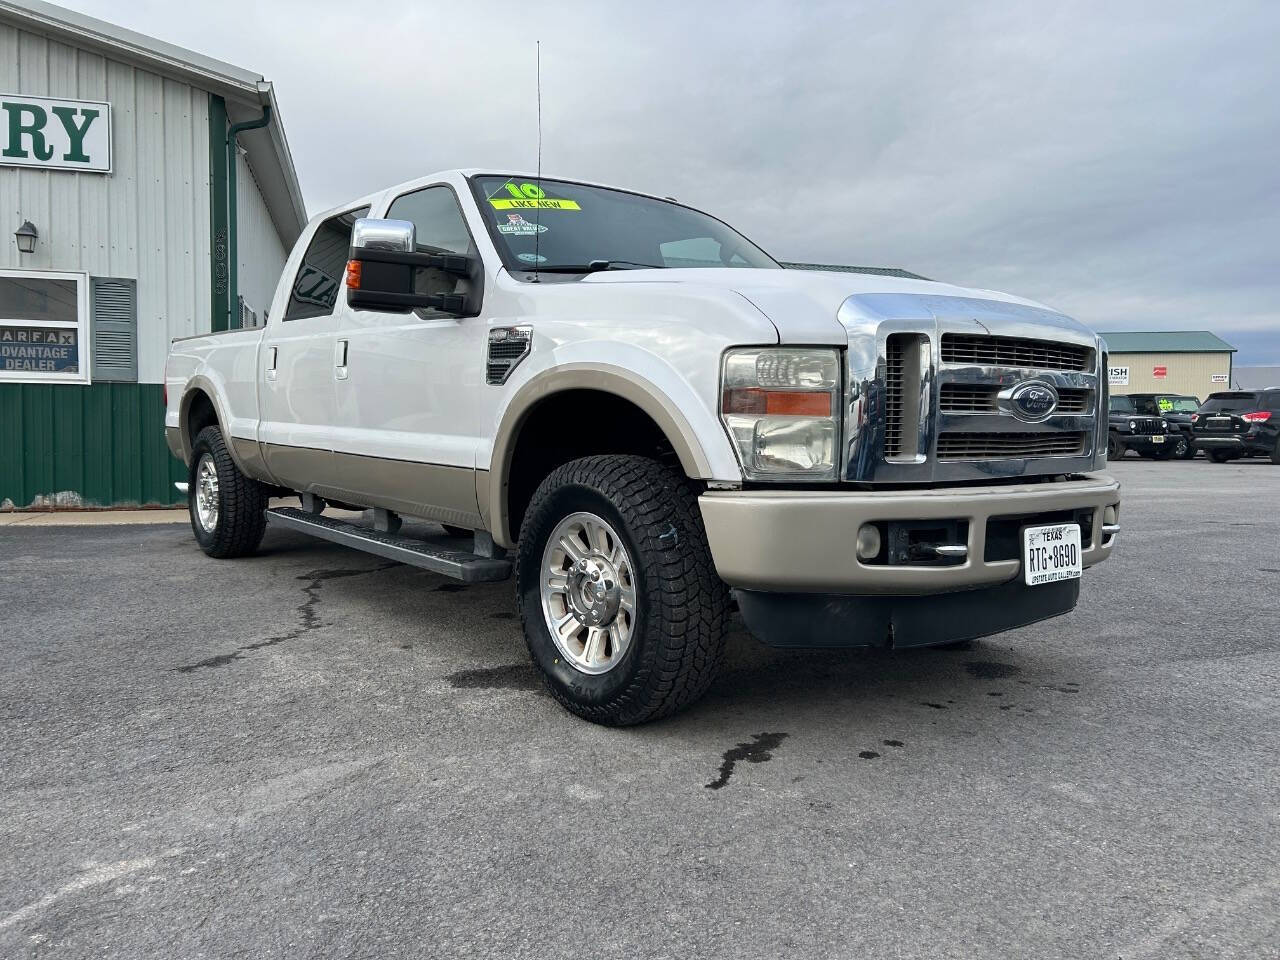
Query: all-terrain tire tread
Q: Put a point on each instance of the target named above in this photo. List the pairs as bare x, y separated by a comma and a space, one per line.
243, 502
689, 605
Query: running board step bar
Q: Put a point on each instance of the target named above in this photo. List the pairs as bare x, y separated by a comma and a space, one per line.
468, 567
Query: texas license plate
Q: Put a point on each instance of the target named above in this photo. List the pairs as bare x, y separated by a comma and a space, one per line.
1051, 553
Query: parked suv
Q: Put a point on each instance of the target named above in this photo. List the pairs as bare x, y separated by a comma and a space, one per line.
1243, 423
1176, 409
1128, 429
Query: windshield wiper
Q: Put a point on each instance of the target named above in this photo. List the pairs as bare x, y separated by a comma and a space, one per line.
595, 266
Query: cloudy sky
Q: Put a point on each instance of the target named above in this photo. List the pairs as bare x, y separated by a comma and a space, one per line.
1119, 161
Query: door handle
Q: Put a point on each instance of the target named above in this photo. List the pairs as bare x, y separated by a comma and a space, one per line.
340, 359
271, 363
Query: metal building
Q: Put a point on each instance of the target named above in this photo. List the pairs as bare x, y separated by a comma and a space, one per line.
1191, 362
148, 193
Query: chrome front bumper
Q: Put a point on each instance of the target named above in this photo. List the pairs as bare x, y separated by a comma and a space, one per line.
801, 541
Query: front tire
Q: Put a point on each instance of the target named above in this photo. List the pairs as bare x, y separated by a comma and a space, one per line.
1115, 449
1220, 456
622, 610
226, 507
1184, 449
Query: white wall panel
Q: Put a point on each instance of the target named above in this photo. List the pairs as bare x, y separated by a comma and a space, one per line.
149, 218
261, 256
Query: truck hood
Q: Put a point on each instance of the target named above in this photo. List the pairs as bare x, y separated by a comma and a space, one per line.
803, 304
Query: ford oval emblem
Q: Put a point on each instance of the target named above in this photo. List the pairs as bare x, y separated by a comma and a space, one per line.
1033, 401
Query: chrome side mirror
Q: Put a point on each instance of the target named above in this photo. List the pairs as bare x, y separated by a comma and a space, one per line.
398, 236
383, 260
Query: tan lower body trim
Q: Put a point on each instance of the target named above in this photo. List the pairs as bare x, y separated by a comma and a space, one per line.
427, 490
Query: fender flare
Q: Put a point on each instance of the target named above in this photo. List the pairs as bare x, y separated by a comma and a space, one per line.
492, 486
206, 386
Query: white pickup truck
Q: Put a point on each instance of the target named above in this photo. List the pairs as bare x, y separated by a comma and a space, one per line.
637, 411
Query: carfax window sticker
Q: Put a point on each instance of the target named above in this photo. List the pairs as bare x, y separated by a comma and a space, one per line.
517, 225
530, 196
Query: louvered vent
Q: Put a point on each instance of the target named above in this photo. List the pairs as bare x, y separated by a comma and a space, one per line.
507, 347
114, 323
906, 365
974, 350
893, 389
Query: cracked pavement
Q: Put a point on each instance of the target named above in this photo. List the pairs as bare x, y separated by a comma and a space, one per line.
312, 753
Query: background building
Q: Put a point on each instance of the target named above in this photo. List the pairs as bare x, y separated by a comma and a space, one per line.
1192, 362
147, 226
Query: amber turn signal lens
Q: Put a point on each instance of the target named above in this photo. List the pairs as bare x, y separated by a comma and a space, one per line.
787, 403
353, 274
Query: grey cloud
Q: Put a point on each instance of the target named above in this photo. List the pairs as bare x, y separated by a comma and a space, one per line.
1120, 161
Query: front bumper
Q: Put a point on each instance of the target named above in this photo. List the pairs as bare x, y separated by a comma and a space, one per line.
1149, 443
802, 541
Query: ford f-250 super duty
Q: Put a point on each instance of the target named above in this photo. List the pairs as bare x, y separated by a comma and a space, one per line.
638, 412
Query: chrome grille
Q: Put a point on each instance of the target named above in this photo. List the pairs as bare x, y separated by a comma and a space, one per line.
981, 398
1002, 446
981, 351
968, 398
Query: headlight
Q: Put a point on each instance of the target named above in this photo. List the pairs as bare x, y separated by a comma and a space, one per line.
781, 406
1133, 425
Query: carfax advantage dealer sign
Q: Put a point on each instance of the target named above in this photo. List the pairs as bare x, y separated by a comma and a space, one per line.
55, 134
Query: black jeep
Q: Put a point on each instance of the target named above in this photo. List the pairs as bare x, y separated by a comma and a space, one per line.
1176, 409
1243, 423
1130, 430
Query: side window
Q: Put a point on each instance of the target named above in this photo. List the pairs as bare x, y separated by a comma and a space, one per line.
439, 228
315, 288
1272, 399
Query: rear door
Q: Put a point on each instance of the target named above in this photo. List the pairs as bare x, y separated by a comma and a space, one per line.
297, 364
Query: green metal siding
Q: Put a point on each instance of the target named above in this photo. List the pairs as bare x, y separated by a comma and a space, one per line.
104, 442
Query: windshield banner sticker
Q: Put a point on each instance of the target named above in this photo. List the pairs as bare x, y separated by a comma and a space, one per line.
519, 226
531, 258
530, 196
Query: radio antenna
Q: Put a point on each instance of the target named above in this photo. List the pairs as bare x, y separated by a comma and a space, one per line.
537, 210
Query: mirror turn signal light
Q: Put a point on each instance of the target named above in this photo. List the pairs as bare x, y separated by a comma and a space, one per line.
353, 274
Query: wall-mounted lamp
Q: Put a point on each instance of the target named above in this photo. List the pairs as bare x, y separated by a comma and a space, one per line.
26, 236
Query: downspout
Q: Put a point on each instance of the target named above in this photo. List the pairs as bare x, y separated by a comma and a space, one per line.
233, 262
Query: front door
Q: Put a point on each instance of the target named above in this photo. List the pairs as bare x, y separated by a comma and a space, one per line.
298, 370
408, 397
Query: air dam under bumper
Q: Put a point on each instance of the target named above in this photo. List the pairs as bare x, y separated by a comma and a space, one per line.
791, 555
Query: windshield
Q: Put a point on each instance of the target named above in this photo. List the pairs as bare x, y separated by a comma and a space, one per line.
1168, 404
1122, 405
1230, 403
558, 224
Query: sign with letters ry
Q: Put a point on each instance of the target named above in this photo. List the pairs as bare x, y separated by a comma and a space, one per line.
55, 134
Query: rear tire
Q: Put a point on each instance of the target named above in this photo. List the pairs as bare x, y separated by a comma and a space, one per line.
226, 507
601, 535
1275, 452
1115, 449
1220, 456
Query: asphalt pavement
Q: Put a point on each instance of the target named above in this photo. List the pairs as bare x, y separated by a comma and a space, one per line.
313, 753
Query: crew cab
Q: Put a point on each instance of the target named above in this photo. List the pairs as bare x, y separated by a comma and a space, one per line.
1146, 434
640, 415
1241, 423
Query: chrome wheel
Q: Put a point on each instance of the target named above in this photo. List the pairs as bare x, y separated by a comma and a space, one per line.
206, 493
588, 588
